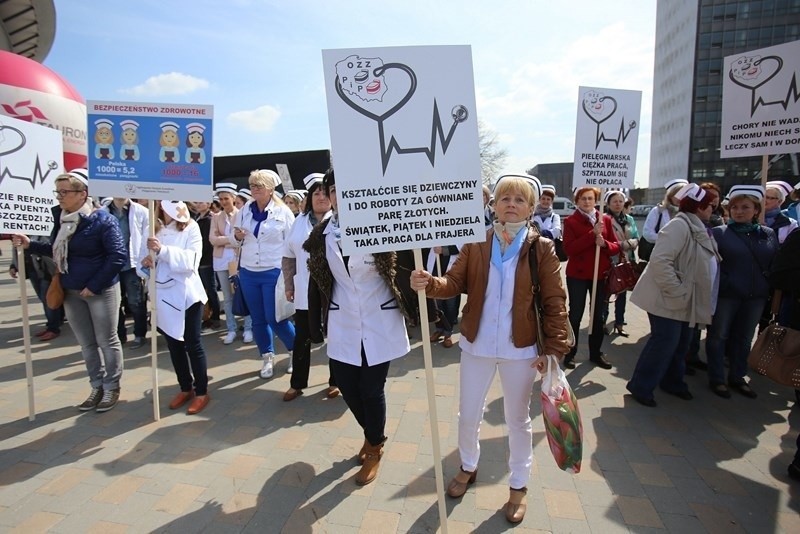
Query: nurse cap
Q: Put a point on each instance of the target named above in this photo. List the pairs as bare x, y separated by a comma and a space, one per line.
129, 124
533, 181
750, 190
226, 187
169, 126
693, 191
176, 209
782, 187
677, 181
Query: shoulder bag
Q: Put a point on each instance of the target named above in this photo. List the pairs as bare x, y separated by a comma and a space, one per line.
55, 293
621, 277
645, 246
776, 352
537, 302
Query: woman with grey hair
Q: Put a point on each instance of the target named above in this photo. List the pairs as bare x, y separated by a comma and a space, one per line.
89, 252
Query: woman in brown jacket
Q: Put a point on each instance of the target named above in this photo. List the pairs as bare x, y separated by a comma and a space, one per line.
498, 329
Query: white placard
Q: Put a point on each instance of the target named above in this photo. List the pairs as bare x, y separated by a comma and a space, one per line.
404, 138
606, 137
760, 108
30, 160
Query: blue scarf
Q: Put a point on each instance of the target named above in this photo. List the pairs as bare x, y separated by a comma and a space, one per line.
258, 216
499, 258
771, 215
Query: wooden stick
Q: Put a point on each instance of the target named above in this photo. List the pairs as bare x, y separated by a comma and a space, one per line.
764, 174
596, 267
26, 334
151, 283
432, 413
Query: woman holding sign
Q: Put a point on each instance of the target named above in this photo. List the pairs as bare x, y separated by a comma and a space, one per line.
89, 252
499, 330
584, 231
356, 301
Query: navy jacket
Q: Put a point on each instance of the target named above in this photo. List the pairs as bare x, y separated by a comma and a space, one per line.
97, 253
746, 261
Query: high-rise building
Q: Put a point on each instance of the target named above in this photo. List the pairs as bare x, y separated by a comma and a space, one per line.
692, 39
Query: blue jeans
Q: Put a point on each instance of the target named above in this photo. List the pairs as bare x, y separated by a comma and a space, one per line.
227, 302
188, 356
662, 359
733, 326
132, 288
259, 292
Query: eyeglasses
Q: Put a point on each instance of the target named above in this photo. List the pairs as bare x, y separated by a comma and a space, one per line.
62, 192
773, 198
256, 186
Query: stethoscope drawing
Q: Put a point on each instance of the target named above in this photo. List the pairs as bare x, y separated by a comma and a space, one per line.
792, 93
38, 173
622, 134
459, 113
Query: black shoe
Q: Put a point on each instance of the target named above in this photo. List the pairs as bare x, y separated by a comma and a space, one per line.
685, 395
697, 364
721, 390
745, 389
569, 364
650, 403
600, 361
794, 471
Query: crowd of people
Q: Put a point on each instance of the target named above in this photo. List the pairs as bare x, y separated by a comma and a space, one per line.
706, 262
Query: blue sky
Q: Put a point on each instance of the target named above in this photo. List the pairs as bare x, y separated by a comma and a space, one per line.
259, 62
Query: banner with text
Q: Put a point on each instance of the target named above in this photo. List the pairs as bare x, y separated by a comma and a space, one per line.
153, 151
760, 108
30, 160
606, 137
404, 138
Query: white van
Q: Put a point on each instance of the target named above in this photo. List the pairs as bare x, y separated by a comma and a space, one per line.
563, 207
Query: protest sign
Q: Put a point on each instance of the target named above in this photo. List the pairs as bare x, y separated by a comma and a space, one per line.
606, 137
760, 108
154, 151
404, 137
30, 160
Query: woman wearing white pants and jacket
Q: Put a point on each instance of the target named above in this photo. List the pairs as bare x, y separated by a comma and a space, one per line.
498, 330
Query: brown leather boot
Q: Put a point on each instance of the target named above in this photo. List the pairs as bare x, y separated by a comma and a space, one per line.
372, 460
363, 452
517, 505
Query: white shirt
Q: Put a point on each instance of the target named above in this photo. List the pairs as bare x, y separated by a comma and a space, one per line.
265, 251
293, 248
362, 310
649, 231
552, 223
493, 339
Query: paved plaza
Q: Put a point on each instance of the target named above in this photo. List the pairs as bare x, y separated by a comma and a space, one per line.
252, 463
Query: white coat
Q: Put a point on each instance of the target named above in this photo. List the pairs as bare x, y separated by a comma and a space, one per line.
551, 223
649, 231
265, 251
178, 285
293, 248
362, 310
139, 225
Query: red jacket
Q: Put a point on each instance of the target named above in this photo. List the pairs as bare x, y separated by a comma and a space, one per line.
580, 246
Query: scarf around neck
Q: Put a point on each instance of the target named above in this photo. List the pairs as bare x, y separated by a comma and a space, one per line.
334, 226
258, 216
743, 228
591, 216
505, 233
501, 252
69, 224
543, 213
620, 217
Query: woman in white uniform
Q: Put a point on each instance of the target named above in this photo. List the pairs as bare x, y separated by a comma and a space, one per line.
357, 302
295, 275
180, 298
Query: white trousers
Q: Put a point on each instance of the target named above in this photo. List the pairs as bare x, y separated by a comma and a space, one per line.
516, 379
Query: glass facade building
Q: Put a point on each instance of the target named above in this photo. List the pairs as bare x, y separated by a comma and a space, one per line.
692, 40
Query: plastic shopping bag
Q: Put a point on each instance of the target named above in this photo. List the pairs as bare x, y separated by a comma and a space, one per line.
562, 419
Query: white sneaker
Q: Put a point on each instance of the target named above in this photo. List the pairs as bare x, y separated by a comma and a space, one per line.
248, 336
266, 370
289, 369
229, 337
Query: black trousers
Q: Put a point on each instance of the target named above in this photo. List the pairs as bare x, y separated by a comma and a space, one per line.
301, 355
362, 388
189, 356
578, 291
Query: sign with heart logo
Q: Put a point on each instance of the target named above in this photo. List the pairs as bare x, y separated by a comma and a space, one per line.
606, 137
404, 136
761, 102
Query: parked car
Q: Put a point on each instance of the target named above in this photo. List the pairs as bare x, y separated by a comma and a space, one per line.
563, 207
641, 210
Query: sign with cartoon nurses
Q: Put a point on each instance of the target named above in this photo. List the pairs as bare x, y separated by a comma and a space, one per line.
760, 102
153, 151
606, 137
404, 138
30, 160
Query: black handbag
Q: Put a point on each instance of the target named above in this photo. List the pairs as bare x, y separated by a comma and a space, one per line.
645, 247
239, 305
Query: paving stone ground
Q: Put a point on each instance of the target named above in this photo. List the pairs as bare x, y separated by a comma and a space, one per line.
252, 463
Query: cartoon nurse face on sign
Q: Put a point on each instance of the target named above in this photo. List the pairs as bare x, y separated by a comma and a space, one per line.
169, 153
103, 138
